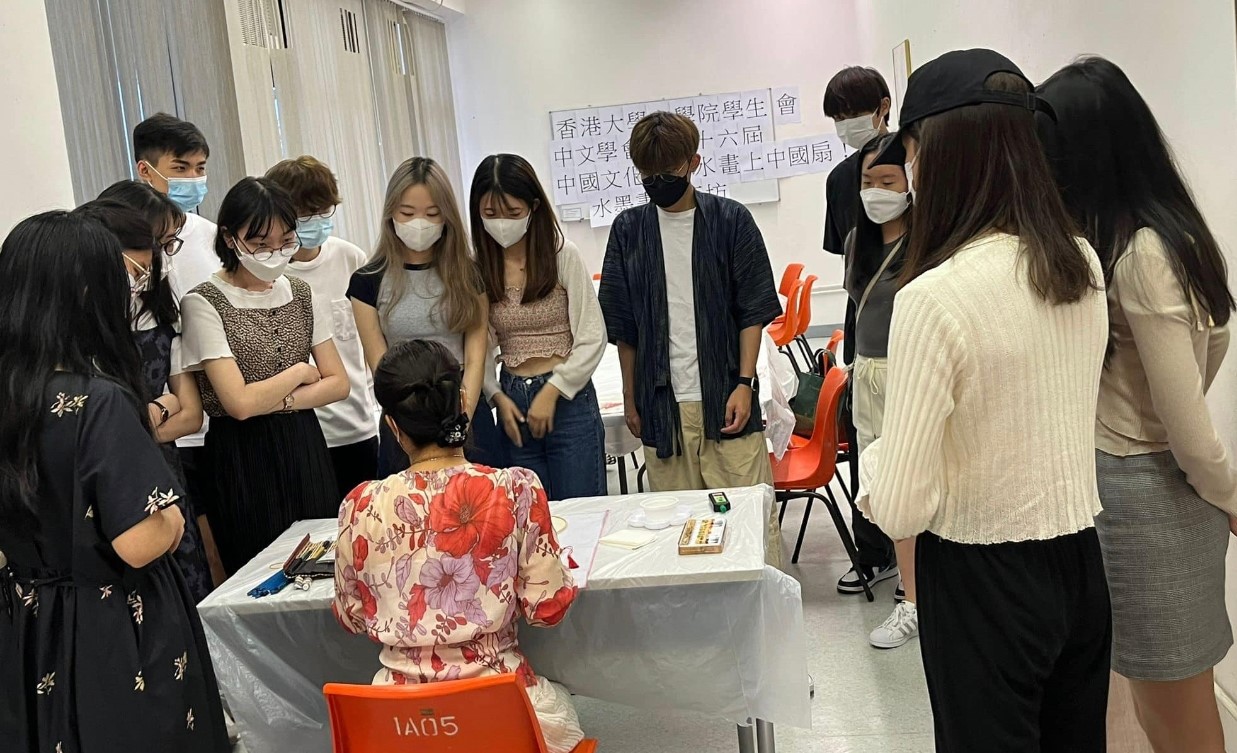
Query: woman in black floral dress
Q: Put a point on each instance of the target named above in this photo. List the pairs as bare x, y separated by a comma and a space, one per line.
146, 223
101, 648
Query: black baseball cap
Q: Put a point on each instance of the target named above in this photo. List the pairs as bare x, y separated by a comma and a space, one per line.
956, 79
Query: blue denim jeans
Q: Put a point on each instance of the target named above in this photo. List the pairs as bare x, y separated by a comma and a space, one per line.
571, 460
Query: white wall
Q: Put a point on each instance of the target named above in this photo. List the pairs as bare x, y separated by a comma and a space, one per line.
32, 145
1182, 58
512, 61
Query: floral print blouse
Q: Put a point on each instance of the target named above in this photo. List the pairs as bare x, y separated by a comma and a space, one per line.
438, 566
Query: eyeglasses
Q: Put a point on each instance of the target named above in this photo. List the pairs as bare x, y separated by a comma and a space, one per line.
171, 246
262, 253
324, 214
653, 180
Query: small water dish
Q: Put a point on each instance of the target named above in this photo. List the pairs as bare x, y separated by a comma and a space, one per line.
657, 513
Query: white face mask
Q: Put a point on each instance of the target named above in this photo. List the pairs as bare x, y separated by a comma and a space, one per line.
882, 205
910, 176
419, 234
855, 132
506, 231
266, 271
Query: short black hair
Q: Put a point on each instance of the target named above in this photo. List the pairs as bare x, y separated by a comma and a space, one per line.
254, 204
162, 134
854, 91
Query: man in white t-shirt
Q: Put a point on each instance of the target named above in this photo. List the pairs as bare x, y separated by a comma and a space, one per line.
171, 156
327, 264
686, 289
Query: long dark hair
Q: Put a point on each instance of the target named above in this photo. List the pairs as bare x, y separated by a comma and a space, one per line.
500, 176
1117, 175
64, 306
162, 214
981, 169
417, 383
254, 204
869, 241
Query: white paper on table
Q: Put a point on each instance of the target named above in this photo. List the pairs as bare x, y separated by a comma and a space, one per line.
579, 540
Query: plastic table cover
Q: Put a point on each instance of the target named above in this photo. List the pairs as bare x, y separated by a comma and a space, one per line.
722, 635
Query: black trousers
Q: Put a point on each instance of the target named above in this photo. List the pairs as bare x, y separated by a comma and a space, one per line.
1016, 640
354, 464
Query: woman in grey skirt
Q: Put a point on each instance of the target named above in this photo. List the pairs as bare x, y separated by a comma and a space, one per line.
1166, 483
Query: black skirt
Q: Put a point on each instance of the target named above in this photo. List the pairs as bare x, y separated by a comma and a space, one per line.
270, 471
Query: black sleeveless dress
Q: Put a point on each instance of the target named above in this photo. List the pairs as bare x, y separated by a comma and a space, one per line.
155, 346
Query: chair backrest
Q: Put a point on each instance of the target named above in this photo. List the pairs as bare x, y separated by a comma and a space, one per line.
805, 306
492, 714
823, 445
786, 333
792, 273
834, 343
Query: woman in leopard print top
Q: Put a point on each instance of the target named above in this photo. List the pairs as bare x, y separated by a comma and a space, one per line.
249, 333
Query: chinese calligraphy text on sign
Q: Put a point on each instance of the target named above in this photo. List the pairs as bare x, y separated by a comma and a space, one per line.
590, 155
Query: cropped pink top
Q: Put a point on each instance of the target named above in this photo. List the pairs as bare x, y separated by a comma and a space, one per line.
541, 329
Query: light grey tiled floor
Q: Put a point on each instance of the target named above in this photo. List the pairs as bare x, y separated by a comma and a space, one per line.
867, 701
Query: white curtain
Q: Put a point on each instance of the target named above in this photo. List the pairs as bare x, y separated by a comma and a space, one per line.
326, 98
395, 92
121, 61
437, 117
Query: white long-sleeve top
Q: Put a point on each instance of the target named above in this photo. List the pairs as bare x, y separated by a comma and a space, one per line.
989, 431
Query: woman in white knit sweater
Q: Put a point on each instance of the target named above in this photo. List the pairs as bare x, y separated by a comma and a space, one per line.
995, 353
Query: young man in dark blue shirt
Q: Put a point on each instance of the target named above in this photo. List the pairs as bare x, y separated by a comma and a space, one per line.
687, 289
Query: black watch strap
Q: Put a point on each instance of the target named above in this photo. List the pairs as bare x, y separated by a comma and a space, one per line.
747, 381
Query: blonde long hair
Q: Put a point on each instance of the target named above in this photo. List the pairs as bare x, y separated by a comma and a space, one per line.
460, 305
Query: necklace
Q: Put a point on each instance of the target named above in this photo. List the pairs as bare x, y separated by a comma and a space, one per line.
432, 458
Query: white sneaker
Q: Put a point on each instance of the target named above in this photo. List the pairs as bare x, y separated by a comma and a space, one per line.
901, 626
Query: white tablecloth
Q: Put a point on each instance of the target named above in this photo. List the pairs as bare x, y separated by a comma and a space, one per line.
777, 379
719, 634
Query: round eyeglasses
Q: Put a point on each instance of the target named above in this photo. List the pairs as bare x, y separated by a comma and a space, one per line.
264, 253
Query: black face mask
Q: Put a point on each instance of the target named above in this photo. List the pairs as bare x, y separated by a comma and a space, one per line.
666, 189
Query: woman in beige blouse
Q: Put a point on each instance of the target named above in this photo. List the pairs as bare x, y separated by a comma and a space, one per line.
1166, 483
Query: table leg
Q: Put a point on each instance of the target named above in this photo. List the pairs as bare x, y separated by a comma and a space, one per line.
622, 473
747, 739
765, 742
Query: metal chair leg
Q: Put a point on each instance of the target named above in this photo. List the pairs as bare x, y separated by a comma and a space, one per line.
842, 483
844, 533
781, 513
640, 474
807, 513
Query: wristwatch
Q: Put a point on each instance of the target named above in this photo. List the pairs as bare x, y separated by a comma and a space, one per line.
164, 415
288, 401
747, 381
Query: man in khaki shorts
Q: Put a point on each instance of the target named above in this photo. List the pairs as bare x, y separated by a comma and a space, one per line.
686, 289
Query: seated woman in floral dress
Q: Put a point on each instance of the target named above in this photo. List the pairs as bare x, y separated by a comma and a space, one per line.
437, 562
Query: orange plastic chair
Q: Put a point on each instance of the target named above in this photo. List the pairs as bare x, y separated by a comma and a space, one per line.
804, 470
805, 320
793, 272
491, 714
782, 330
835, 342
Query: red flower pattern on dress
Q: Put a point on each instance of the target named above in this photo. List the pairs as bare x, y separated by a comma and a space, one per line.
471, 516
554, 609
443, 597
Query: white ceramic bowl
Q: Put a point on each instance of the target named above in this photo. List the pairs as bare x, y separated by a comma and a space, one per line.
659, 511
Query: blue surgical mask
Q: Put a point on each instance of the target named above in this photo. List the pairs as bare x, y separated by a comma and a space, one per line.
313, 231
186, 193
